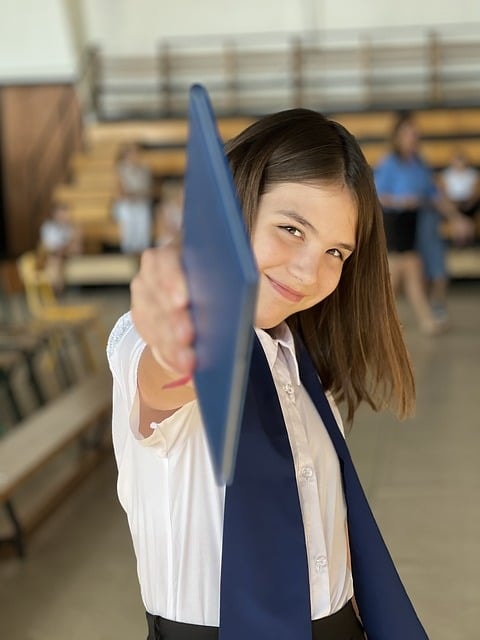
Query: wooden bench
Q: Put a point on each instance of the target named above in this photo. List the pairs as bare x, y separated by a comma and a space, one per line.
104, 269
79, 414
431, 122
83, 213
72, 194
437, 153
169, 131
162, 162
463, 262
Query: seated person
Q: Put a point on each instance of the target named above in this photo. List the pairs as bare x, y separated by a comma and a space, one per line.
460, 183
59, 238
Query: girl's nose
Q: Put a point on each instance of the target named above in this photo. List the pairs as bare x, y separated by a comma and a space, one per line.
305, 267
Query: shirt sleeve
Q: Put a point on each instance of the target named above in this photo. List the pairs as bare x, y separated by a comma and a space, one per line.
124, 349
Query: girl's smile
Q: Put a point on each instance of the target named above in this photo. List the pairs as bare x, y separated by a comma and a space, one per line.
303, 234
286, 292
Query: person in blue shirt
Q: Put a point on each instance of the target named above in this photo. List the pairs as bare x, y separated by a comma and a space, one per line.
411, 206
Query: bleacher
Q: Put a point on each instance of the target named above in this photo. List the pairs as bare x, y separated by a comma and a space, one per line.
90, 191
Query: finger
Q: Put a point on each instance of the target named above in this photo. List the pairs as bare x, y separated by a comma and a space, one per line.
161, 325
162, 273
160, 311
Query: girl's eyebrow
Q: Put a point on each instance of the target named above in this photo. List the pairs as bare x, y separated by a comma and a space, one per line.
293, 215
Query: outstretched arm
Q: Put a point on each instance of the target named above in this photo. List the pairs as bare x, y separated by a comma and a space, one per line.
160, 311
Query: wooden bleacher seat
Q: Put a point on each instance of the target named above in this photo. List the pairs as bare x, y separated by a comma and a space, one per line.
169, 131
158, 132
105, 269
463, 262
431, 122
162, 162
366, 124
74, 193
436, 152
83, 212
37, 440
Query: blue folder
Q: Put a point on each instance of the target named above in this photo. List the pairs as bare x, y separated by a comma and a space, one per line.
222, 279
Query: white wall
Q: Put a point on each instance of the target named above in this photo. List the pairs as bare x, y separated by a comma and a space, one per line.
35, 42
131, 26
377, 13
134, 26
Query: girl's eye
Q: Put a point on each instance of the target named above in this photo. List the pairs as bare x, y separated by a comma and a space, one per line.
292, 231
336, 253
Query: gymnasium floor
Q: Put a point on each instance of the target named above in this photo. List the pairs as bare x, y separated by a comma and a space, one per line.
422, 477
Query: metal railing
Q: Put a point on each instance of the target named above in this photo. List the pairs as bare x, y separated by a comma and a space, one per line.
329, 70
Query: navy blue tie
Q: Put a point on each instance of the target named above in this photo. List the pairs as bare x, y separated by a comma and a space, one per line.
264, 591
385, 608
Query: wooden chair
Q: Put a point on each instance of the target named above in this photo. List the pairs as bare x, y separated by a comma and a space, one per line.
45, 307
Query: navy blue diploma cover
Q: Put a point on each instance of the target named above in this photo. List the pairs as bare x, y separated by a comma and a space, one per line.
222, 279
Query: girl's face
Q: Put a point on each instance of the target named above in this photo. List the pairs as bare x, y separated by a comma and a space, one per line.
407, 138
302, 236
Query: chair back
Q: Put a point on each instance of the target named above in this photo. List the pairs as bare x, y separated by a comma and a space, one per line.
39, 292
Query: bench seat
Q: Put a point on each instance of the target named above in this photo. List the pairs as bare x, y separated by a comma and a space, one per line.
34, 442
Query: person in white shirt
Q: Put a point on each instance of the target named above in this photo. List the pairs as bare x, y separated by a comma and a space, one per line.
460, 183
59, 238
132, 209
315, 225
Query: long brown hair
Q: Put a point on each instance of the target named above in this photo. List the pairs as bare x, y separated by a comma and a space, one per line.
353, 336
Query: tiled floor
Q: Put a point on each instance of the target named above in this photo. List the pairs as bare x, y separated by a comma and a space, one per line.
422, 477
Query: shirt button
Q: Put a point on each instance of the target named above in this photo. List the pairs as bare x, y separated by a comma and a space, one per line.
321, 563
307, 473
288, 389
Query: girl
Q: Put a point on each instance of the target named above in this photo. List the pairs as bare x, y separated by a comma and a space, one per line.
315, 225
412, 204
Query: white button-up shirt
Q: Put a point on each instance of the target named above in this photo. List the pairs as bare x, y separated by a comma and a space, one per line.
167, 487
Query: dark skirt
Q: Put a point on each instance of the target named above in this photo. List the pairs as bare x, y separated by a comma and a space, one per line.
342, 625
400, 229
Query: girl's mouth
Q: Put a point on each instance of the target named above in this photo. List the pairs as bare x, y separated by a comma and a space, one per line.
285, 292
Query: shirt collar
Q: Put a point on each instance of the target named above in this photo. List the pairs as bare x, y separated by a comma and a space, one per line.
280, 336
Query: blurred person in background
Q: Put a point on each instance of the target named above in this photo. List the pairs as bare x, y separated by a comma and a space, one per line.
412, 209
59, 238
460, 183
132, 209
